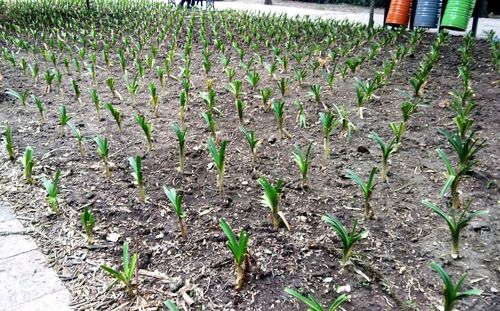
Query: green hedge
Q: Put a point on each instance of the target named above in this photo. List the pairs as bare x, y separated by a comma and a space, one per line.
378, 3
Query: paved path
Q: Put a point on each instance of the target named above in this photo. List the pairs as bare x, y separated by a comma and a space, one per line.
485, 24
26, 282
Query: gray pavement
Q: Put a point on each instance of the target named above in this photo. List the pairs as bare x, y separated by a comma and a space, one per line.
26, 282
485, 24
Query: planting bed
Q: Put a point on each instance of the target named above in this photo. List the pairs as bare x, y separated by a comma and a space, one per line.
391, 267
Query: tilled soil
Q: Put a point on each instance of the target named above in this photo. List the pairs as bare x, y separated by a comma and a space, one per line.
391, 269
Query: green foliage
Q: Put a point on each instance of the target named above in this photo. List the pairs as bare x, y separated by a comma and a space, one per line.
218, 156
136, 164
348, 238
328, 123
40, 106
279, 113
253, 143
176, 201
238, 247
129, 268
8, 142
451, 292
21, 96
103, 151
28, 164
147, 128
63, 119
456, 225
387, 149
181, 138
313, 303
88, 222
303, 160
51, 185
271, 200
366, 188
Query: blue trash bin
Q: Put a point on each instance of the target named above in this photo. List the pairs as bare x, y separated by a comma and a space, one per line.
427, 13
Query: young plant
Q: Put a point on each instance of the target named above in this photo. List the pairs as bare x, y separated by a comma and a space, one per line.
21, 96
154, 98
219, 157
283, 85
300, 74
466, 151
238, 247
28, 164
315, 93
110, 82
97, 102
279, 113
348, 238
8, 142
346, 126
51, 185
271, 200
88, 223
176, 201
115, 113
40, 106
455, 224
451, 292
314, 305
328, 123
212, 125
303, 161
240, 108
181, 138
132, 87
398, 129
49, 78
79, 138
265, 95
63, 119
136, 164
387, 149
76, 89
366, 188
147, 128
129, 269
103, 151
301, 118
253, 77
252, 142
182, 107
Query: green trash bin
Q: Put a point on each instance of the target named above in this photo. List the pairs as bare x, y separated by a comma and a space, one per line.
457, 14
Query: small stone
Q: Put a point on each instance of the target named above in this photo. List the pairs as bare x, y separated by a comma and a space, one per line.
344, 289
113, 237
328, 280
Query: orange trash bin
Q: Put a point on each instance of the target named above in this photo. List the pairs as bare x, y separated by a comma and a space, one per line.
399, 13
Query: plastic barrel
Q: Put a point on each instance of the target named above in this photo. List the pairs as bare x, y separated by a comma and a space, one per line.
457, 14
399, 13
427, 13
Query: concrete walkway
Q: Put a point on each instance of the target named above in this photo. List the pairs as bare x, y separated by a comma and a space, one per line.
485, 24
26, 282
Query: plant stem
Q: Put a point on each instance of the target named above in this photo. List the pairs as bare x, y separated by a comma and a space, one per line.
240, 270
82, 149
182, 228
455, 249
368, 210
383, 172
107, 171
455, 199
142, 193
360, 111
326, 142
220, 181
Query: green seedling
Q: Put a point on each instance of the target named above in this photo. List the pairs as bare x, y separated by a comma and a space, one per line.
252, 142
21, 96
313, 303
136, 164
129, 269
300, 74
366, 189
63, 119
49, 78
283, 85
387, 149
328, 123
176, 201
76, 89
238, 247
103, 151
170, 305
132, 87
181, 138
265, 95
212, 125
182, 107
303, 160
466, 151
97, 102
240, 108
28, 164
348, 238
315, 93
279, 113
51, 185
455, 224
271, 200
115, 113
218, 157
346, 126
40, 106
451, 292
154, 98
110, 82
8, 143
301, 117
253, 77
79, 138
398, 129
147, 128
88, 223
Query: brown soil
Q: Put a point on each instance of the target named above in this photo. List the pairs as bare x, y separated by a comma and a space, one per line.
391, 269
